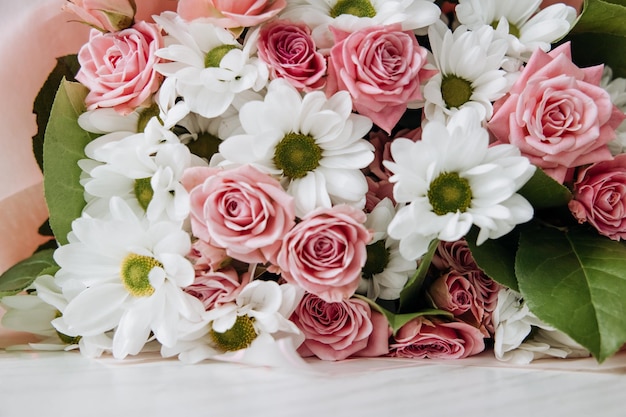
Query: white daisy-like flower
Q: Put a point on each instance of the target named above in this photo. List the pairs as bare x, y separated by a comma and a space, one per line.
469, 72
208, 64
451, 180
520, 22
34, 312
313, 144
132, 273
616, 87
386, 271
520, 337
144, 169
352, 15
255, 329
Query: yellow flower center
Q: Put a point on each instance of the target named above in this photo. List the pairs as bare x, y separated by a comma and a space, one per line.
214, 57
297, 154
240, 336
449, 193
143, 192
455, 91
513, 30
359, 8
135, 271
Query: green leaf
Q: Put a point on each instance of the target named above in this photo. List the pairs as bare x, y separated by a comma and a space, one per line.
542, 191
21, 275
64, 146
496, 257
598, 35
396, 321
410, 294
576, 282
66, 67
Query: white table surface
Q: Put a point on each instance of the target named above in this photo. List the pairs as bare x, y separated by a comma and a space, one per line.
68, 384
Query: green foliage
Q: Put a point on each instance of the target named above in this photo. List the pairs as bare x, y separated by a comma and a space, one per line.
542, 191
21, 275
575, 281
66, 67
599, 34
413, 287
496, 257
64, 146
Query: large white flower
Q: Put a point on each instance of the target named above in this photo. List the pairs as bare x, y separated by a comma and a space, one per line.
255, 329
386, 271
209, 65
469, 71
520, 22
520, 337
313, 143
131, 273
352, 15
451, 180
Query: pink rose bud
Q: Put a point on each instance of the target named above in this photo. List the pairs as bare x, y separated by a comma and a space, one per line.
104, 15
229, 13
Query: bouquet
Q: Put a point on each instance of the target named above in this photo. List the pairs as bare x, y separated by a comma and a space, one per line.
264, 181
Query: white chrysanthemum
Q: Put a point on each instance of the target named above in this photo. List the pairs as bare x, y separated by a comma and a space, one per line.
144, 169
132, 273
208, 64
386, 271
520, 337
34, 312
469, 72
451, 180
352, 15
616, 87
255, 329
313, 143
520, 22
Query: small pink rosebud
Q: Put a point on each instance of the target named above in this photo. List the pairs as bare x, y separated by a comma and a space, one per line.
104, 15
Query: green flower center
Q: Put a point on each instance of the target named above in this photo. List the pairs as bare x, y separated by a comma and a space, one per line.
205, 146
215, 55
455, 91
377, 259
145, 115
449, 193
143, 192
240, 336
68, 340
297, 154
359, 8
513, 30
134, 272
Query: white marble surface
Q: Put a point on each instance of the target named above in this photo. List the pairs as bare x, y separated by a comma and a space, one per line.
67, 384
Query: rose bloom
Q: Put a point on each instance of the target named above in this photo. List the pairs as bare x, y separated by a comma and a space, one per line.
454, 255
557, 114
118, 68
382, 68
335, 331
104, 15
600, 197
230, 13
216, 288
205, 256
289, 51
242, 210
325, 252
436, 339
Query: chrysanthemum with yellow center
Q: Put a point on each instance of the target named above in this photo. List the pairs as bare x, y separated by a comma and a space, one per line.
240, 336
452, 179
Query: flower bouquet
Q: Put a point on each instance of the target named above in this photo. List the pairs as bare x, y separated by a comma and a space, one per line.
262, 181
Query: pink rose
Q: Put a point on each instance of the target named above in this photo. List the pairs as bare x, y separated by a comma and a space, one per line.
454, 255
104, 15
230, 13
376, 192
557, 114
215, 288
207, 257
242, 210
600, 197
335, 331
382, 69
325, 252
118, 68
289, 51
436, 339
